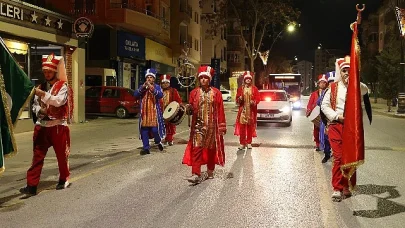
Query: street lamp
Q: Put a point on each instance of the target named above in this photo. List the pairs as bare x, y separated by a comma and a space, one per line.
290, 28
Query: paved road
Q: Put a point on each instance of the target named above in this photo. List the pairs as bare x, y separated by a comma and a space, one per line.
279, 183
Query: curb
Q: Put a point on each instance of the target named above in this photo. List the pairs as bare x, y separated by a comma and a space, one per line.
389, 114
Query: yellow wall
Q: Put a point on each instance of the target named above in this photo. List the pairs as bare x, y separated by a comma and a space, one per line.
158, 52
78, 85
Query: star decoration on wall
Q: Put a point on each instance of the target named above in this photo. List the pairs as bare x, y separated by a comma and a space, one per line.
48, 21
34, 18
60, 24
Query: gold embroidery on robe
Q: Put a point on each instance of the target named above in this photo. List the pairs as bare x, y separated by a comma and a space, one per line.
205, 126
246, 112
149, 118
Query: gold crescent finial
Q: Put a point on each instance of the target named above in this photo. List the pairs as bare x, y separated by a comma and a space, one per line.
358, 9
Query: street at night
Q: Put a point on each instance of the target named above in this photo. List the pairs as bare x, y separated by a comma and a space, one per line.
281, 182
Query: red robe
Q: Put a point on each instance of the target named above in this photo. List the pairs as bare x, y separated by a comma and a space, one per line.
220, 127
173, 96
312, 101
253, 115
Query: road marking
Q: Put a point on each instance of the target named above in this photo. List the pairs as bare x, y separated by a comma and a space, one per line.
329, 218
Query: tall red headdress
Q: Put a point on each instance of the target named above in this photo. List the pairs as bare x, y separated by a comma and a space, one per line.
353, 131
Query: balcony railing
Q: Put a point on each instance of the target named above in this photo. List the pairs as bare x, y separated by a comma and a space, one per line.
87, 7
134, 7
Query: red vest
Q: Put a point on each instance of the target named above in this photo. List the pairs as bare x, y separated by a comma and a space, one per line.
65, 111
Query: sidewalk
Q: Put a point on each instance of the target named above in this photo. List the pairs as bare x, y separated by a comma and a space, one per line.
381, 108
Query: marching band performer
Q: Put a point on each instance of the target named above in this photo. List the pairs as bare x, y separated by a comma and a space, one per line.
151, 119
54, 110
333, 106
169, 95
312, 103
206, 142
247, 97
324, 144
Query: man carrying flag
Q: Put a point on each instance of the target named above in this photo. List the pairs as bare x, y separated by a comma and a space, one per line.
54, 109
16, 90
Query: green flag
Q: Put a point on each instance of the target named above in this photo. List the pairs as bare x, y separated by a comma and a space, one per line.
16, 90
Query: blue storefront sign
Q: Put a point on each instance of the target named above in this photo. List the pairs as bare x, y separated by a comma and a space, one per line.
130, 46
216, 64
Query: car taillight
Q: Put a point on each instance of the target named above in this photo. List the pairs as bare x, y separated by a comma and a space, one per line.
268, 99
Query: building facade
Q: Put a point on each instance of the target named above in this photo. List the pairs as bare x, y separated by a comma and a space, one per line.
31, 31
214, 43
305, 69
186, 28
129, 37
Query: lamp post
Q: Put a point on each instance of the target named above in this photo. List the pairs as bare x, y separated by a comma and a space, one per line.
401, 88
290, 28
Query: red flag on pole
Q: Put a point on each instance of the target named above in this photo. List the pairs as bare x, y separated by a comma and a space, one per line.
353, 132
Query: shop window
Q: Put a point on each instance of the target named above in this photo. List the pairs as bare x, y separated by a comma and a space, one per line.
94, 80
111, 81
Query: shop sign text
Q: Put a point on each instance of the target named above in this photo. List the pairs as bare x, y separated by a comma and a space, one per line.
11, 11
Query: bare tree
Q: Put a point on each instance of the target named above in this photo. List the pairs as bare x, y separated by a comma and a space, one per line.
258, 18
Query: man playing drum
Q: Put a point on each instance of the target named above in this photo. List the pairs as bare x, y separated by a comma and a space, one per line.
151, 119
169, 95
247, 97
312, 104
206, 143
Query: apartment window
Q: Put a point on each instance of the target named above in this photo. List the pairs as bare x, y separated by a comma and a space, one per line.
196, 45
149, 8
196, 18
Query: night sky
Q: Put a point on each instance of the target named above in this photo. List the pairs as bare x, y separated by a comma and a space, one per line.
323, 21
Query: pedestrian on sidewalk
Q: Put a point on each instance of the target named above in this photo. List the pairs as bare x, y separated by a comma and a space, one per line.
53, 109
333, 106
206, 142
247, 97
312, 103
151, 118
169, 95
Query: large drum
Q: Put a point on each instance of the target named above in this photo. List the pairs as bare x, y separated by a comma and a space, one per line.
174, 113
315, 116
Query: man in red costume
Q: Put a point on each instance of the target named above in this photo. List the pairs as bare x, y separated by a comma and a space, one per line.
247, 97
206, 143
54, 111
333, 106
169, 95
312, 103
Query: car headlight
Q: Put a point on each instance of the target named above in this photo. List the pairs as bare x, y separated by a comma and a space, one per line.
286, 109
297, 104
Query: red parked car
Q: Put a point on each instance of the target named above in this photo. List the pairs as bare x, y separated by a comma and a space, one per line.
119, 101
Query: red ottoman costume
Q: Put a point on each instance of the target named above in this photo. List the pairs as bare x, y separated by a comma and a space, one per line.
54, 112
206, 143
247, 97
312, 103
169, 95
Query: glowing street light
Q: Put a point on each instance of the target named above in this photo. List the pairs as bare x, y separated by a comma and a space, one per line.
291, 28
